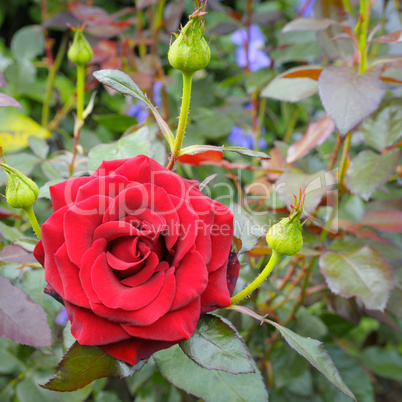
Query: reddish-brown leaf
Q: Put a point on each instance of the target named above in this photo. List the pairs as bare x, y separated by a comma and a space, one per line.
394, 37
7, 101
317, 132
385, 221
313, 73
202, 157
389, 79
15, 253
21, 319
5, 213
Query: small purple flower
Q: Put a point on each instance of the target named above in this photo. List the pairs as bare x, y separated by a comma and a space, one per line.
242, 138
240, 38
157, 92
256, 57
307, 9
139, 111
62, 317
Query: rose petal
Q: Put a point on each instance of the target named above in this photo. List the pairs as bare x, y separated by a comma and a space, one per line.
175, 326
232, 272
221, 236
88, 261
142, 169
142, 276
147, 315
146, 196
216, 294
186, 230
122, 265
80, 222
108, 186
107, 167
70, 278
114, 229
113, 294
203, 242
52, 240
64, 193
90, 329
39, 253
191, 280
133, 350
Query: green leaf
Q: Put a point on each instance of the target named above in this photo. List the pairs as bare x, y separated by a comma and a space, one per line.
384, 128
28, 390
362, 273
356, 378
370, 170
9, 233
115, 122
291, 89
310, 349
28, 42
21, 319
245, 228
308, 24
83, 364
209, 385
212, 124
247, 152
21, 75
216, 345
384, 362
315, 353
349, 97
39, 146
122, 83
128, 146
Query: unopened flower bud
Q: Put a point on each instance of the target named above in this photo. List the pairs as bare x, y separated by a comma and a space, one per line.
190, 52
21, 191
80, 51
286, 236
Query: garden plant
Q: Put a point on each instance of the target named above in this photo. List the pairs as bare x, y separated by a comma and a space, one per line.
201, 200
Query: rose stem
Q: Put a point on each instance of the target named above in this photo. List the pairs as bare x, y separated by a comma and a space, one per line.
275, 257
34, 222
185, 106
80, 111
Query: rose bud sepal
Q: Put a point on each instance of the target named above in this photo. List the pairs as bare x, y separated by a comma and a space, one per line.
80, 51
21, 191
285, 237
190, 52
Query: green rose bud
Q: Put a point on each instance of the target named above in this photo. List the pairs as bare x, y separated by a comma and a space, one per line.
190, 52
286, 236
80, 51
21, 191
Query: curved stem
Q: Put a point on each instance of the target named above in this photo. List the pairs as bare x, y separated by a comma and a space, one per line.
275, 257
185, 107
80, 112
34, 222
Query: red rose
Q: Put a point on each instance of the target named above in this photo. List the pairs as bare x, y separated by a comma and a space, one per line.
136, 253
